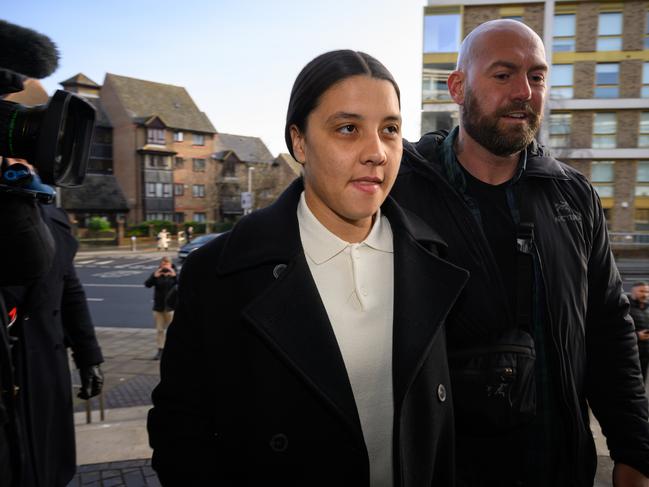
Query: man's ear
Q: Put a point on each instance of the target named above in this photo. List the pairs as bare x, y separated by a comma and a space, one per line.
455, 84
297, 139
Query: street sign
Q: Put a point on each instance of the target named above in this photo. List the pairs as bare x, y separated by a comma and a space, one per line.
247, 200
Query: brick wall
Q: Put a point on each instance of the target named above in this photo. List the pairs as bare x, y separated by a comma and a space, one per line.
186, 176
628, 123
476, 15
582, 128
584, 79
125, 161
533, 16
587, 20
635, 15
623, 218
630, 78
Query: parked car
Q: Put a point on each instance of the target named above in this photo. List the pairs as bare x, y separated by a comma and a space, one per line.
197, 242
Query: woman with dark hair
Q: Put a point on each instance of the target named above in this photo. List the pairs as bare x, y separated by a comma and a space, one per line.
307, 347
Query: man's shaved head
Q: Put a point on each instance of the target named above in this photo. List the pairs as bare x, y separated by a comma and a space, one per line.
473, 44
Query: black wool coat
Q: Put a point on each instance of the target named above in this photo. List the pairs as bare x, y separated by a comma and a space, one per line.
53, 315
253, 386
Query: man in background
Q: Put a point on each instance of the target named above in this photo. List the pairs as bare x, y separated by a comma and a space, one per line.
639, 311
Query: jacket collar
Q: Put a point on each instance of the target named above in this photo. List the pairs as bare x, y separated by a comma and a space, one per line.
535, 160
254, 239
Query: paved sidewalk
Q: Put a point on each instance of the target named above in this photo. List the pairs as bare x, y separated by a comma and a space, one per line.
115, 452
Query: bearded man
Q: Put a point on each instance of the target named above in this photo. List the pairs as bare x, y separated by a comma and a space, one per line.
541, 330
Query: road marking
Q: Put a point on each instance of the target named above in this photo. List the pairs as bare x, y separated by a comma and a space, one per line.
104, 262
114, 285
156, 259
84, 262
116, 274
94, 299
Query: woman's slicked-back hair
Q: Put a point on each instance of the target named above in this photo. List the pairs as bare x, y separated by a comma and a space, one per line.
321, 74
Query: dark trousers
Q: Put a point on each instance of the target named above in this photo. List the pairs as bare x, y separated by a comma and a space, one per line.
644, 362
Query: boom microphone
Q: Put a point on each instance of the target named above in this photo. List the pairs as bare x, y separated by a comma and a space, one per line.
27, 52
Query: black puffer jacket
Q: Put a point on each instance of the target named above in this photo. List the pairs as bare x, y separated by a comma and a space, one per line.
592, 338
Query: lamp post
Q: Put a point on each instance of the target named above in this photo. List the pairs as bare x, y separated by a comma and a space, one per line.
249, 209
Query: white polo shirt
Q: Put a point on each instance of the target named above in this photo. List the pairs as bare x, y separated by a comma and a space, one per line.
356, 285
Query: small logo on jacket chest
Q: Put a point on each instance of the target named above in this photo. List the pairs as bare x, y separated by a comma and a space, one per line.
563, 213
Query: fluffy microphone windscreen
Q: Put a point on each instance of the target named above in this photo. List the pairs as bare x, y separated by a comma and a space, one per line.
27, 52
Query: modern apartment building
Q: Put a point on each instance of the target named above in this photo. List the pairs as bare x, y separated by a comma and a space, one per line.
598, 106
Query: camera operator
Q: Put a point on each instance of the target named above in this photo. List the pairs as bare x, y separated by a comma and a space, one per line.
42, 305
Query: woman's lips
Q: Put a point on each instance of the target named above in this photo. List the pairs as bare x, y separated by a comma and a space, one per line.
367, 185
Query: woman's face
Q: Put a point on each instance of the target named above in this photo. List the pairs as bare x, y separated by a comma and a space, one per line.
351, 151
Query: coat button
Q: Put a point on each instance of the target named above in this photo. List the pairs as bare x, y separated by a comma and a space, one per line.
279, 443
441, 393
279, 268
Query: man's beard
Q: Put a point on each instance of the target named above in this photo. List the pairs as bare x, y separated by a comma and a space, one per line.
485, 131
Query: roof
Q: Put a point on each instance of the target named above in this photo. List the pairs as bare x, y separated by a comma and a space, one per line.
248, 149
101, 119
99, 192
287, 159
80, 80
144, 99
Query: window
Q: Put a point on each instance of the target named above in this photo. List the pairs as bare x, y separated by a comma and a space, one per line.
432, 121
434, 82
607, 80
642, 220
605, 131
198, 139
200, 217
158, 190
645, 81
564, 33
178, 136
561, 81
643, 133
198, 191
560, 127
442, 33
157, 162
158, 216
198, 165
609, 32
229, 168
179, 189
155, 136
179, 162
642, 180
179, 217
601, 175
646, 31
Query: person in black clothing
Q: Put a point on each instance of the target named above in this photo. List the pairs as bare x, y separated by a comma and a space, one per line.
27, 243
639, 311
163, 280
541, 331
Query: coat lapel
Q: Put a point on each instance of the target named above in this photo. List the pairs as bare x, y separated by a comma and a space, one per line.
292, 319
425, 289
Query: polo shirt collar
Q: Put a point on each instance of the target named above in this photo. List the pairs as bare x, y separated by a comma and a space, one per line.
321, 245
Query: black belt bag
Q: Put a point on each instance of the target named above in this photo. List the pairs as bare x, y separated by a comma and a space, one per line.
494, 386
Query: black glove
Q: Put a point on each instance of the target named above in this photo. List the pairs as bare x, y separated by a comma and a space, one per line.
92, 381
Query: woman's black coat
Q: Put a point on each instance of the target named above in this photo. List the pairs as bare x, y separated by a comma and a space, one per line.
253, 386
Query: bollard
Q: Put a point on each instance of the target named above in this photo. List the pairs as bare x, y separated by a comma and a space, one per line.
133, 241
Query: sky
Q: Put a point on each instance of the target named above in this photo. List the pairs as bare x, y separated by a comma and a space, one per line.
237, 59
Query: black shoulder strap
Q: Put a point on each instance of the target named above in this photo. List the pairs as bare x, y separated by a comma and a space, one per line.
524, 265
